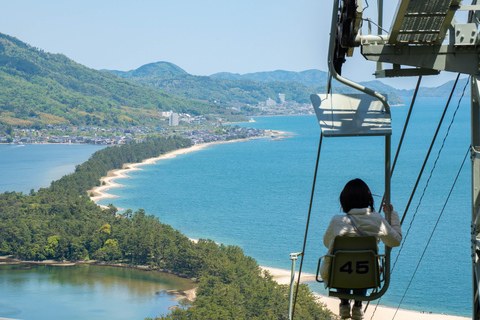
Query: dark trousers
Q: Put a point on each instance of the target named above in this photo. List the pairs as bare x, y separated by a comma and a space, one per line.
360, 292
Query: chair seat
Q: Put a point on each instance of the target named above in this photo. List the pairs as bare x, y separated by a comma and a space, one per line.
355, 264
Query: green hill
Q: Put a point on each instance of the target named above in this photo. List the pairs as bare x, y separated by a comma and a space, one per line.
155, 69
40, 88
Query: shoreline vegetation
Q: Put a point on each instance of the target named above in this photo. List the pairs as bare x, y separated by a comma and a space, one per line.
281, 276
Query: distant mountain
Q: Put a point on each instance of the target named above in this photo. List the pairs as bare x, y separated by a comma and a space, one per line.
318, 79
443, 90
155, 69
229, 88
311, 78
40, 88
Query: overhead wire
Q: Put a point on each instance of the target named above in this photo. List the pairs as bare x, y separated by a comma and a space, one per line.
433, 231
430, 148
431, 172
433, 168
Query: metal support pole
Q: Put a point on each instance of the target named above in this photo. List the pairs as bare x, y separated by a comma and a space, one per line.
380, 26
339, 78
388, 175
475, 158
293, 257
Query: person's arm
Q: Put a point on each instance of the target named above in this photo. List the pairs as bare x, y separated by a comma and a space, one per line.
392, 234
328, 236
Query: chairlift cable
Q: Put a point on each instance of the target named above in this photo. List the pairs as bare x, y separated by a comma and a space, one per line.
431, 172
308, 223
400, 143
430, 149
433, 231
376, 24
433, 168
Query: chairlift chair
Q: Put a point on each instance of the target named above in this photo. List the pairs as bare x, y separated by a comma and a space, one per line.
354, 264
342, 115
348, 115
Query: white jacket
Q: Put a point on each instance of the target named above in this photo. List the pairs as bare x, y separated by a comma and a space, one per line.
369, 222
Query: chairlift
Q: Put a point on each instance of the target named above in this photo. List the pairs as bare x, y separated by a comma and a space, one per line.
350, 115
354, 264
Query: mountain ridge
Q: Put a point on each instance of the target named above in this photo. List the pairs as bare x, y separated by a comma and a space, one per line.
313, 80
40, 88
231, 89
311, 77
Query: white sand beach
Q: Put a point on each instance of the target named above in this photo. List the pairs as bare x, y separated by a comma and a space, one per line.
381, 312
279, 275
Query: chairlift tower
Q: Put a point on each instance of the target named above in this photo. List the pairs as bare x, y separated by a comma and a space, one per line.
425, 39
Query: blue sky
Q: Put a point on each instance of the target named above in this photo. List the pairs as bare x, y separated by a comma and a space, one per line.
202, 37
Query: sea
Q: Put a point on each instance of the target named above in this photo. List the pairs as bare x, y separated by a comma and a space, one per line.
256, 195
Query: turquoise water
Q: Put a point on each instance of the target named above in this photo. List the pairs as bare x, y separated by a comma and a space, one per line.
35, 166
84, 292
256, 195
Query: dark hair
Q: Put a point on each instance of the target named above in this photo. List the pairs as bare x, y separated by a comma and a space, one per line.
356, 194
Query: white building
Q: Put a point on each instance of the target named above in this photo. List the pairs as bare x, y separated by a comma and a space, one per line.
281, 96
270, 103
166, 113
173, 119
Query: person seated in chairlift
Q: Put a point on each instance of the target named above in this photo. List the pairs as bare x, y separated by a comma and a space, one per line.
360, 219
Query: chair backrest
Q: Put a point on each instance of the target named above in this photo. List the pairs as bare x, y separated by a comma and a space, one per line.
354, 264
355, 243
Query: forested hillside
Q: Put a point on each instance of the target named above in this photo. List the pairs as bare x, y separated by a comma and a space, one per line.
61, 223
40, 88
311, 78
226, 88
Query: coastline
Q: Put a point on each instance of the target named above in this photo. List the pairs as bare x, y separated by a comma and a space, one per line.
281, 276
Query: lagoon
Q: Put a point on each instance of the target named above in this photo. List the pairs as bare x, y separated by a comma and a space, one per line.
85, 292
